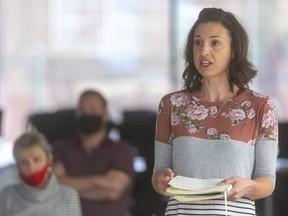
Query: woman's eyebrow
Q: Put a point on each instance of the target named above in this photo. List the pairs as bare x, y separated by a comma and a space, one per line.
212, 36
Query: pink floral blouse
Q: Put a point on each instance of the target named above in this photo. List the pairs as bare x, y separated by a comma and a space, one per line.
247, 117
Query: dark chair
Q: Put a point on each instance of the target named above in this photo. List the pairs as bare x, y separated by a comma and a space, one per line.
281, 190
138, 128
283, 140
56, 125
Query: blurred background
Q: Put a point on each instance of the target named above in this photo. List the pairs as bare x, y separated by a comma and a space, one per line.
130, 50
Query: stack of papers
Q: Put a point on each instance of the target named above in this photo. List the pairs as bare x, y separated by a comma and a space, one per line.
192, 189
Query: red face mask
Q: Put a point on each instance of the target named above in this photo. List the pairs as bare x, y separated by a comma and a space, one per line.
36, 178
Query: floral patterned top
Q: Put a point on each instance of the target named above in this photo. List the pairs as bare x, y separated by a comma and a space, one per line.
202, 139
190, 116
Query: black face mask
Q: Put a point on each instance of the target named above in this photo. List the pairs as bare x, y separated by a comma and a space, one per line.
89, 124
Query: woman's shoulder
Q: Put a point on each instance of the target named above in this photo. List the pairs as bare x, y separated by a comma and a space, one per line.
10, 190
256, 98
249, 94
179, 95
67, 191
256, 94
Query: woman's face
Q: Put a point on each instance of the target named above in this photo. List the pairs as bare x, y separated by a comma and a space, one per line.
212, 50
31, 160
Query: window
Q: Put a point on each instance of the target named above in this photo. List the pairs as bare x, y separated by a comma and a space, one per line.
51, 50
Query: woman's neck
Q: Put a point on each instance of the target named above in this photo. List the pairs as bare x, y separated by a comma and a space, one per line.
216, 93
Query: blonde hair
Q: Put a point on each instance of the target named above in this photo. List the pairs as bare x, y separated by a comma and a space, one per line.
31, 139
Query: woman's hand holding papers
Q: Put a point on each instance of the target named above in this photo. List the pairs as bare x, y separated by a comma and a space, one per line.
161, 179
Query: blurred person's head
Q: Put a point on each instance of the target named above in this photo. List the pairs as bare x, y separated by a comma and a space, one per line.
33, 157
92, 115
240, 70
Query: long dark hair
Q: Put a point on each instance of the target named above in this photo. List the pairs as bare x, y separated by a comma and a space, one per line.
241, 70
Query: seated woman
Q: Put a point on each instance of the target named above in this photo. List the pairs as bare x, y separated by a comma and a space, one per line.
39, 192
